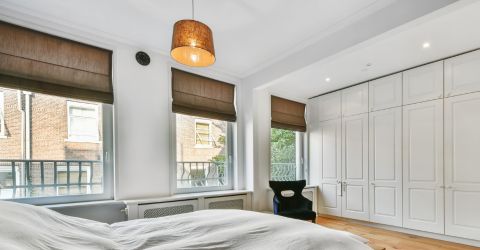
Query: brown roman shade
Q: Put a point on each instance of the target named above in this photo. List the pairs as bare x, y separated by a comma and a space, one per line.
288, 114
38, 62
201, 96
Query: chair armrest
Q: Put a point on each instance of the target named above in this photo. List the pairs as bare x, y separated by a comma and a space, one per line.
276, 205
306, 203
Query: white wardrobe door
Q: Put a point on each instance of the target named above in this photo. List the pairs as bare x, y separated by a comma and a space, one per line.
355, 100
423, 201
355, 167
326, 107
462, 74
385, 92
424, 83
385, 166
462, 166
326, 141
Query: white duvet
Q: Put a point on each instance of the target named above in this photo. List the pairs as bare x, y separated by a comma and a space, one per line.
30, 227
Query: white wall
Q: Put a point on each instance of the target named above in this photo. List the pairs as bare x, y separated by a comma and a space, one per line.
257, 122
142, 119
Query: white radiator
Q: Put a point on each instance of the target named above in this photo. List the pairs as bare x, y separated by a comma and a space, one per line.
168, 206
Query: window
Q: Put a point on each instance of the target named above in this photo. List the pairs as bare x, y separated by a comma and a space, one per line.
2, 114
83, 122
203, 154
37, 164
202, 133
286, 155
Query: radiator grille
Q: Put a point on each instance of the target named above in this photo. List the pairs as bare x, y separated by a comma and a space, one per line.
165, 211
228, 204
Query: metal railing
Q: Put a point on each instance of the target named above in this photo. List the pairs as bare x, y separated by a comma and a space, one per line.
200, 174
284, 171
32, 178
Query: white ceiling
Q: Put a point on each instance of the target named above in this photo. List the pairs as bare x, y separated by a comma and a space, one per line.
249, 34
451, 30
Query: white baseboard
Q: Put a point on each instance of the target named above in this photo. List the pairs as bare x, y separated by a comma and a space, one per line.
459, 240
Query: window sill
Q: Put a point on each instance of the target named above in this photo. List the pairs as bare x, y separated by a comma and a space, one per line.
77, 204
188, 196
81, 141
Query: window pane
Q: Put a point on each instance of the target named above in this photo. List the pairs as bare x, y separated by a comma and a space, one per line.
284, 155
202, 133
83, 121
200, 168
38, 159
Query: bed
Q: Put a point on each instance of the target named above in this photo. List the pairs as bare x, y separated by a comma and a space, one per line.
31, 227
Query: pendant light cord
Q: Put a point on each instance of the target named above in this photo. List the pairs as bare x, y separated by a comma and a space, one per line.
193, 10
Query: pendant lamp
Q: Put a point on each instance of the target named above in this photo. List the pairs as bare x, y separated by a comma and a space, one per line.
192, 43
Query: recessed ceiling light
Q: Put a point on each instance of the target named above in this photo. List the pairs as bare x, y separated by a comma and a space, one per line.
426, 45
327, 79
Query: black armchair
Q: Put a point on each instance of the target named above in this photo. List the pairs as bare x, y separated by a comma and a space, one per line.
296, 206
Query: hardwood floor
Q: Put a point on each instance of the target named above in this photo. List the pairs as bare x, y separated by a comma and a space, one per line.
386, 239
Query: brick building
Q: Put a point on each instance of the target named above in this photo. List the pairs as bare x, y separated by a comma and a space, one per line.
36, 126
40, 133
199, 139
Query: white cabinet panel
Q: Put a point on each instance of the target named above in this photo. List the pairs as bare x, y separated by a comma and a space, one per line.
355, 167
326, 156
424, 83
462, 166
385, 166
423, 200
385, 92
355, 100
462, 74
326, 107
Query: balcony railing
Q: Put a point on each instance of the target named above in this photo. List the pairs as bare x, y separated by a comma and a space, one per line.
203, 174
200, 174
284, 171
34, 178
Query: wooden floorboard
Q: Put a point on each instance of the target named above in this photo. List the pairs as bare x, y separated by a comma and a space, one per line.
386, 239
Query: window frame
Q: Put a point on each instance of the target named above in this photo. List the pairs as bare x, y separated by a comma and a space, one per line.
74, 138
209, 123
2, 115
301, 168
108, 170
230, 139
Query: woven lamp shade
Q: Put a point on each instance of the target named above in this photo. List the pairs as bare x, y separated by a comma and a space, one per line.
192, 44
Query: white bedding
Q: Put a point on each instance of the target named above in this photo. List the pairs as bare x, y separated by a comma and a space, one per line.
30, 227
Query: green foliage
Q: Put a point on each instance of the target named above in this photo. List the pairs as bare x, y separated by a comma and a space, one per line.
220, 158
221, 139
219, 161
282, 146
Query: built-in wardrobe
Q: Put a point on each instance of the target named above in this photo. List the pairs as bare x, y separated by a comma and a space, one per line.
403, 150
